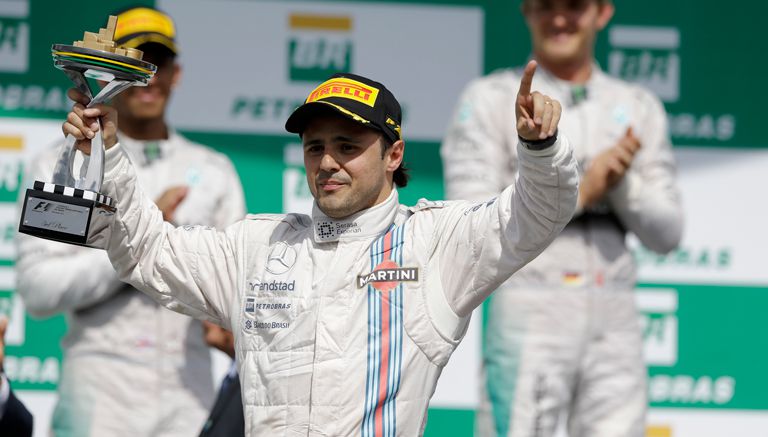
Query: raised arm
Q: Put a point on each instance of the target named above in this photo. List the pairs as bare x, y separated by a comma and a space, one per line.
191, 269
480, 245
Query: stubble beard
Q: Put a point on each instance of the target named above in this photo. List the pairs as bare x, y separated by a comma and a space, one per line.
342, 205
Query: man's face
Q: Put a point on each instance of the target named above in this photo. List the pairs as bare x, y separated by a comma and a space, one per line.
564, 31
345, 169
149, 102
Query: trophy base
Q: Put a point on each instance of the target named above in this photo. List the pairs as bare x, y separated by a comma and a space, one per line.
66, 214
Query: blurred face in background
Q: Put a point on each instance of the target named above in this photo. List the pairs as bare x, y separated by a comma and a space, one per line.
563, 32
149, 102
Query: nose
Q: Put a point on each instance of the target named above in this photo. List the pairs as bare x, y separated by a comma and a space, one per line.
328, 163
559, 18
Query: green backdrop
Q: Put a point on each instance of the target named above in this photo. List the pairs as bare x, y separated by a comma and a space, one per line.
716, 105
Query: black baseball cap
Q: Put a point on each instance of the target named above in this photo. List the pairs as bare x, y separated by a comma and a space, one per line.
361, 99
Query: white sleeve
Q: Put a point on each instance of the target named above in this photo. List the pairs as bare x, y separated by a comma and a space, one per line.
475, 152
481, 245
647, 200
190, 269
55, 277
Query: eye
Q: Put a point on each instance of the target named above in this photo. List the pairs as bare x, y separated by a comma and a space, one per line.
314, 149
348, 148
577, 5
543, 6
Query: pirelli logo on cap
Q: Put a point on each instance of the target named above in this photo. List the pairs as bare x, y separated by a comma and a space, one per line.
346, 89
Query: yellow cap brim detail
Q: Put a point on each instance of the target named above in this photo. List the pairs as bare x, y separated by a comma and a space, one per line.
345, 111
395, 126
144, 20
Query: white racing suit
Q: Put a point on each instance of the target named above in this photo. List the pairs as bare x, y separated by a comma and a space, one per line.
563, 333
342, 326
130, 367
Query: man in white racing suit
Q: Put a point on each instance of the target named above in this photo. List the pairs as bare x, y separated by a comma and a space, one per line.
563, 333
130, 366
344, 319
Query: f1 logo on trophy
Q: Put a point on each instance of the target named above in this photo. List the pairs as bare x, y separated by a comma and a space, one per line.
70, 209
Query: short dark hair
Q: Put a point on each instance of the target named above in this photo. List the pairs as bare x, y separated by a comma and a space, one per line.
400, 177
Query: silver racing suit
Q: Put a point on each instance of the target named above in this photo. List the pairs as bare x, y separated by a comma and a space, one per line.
342, 326
130, 366
563, 332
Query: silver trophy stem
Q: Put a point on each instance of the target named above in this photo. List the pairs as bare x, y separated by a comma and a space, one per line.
79, 80
93, 177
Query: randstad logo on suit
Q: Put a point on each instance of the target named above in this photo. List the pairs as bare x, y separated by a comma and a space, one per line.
319, 46
272, 286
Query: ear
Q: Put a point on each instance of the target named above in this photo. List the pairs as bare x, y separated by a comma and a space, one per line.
176, 74
525, 10
604, 14
394, 155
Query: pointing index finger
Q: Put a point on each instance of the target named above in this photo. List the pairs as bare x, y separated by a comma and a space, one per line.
525, 82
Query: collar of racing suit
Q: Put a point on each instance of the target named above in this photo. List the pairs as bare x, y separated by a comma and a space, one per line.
564, 88
145, 152
367, 223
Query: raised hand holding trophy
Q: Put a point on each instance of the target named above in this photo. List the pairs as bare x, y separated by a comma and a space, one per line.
70, 209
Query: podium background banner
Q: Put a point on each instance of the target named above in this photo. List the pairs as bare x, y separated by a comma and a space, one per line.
247, 64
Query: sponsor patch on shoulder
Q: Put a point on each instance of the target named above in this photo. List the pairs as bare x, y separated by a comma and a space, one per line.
189, 228
477, 207
423, 204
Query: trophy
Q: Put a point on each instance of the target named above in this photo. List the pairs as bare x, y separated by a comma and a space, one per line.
70, 209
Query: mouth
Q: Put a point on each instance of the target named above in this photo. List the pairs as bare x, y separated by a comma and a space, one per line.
560, 34
147, 95
330, 185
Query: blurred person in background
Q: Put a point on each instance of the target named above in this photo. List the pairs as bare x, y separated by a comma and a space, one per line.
562, 335
15, 419
131, 367
226, 418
